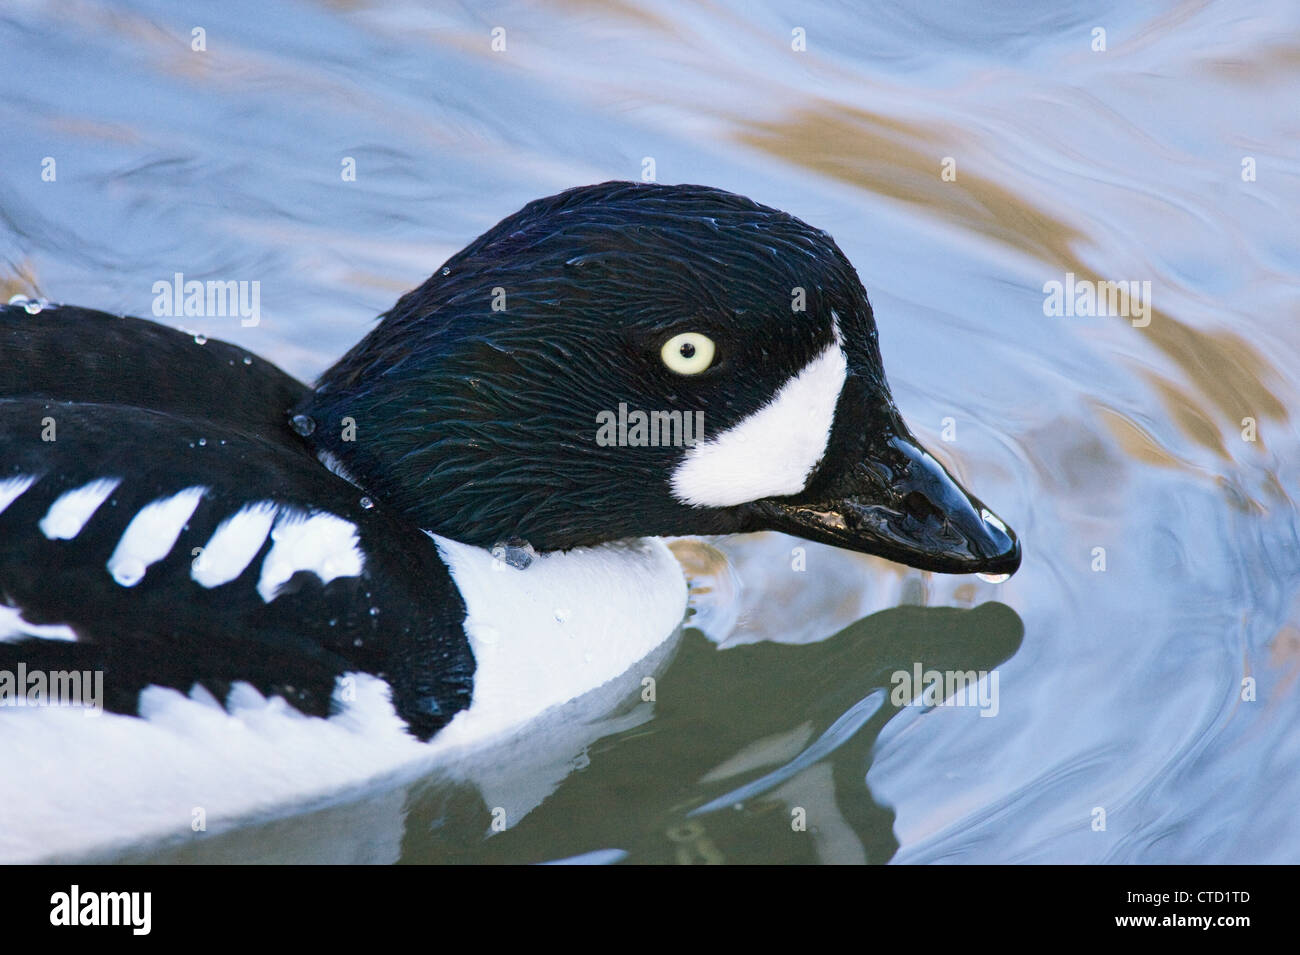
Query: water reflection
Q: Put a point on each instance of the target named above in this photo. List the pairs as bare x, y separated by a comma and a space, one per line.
768, 728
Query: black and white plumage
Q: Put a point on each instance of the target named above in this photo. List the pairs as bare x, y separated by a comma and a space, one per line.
215, 439
228, 545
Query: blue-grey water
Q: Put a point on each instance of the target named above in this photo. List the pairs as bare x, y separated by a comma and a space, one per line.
1147, 655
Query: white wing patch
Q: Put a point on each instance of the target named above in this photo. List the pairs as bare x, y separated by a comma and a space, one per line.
14, 628
151, 535
771, 453
68, 515
12, 488
234, 544
324, 544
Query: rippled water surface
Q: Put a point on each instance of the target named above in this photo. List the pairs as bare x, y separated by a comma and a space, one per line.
1118, 689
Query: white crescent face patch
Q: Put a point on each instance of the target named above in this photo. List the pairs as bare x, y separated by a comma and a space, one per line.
772, 452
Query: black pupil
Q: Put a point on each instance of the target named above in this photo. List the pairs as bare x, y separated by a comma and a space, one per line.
687, 350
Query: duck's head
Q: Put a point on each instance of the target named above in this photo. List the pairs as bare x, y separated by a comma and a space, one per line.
504, 397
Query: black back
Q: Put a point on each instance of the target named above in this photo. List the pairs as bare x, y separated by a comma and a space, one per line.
154, 407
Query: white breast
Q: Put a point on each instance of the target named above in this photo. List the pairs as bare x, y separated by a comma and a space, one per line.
562, 626
542, 636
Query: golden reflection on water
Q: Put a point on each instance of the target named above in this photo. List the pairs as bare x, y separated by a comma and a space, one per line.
887, 156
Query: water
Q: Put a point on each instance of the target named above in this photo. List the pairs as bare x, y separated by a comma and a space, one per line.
1118, 689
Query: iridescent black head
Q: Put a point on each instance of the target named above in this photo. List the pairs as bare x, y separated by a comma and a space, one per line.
628, 360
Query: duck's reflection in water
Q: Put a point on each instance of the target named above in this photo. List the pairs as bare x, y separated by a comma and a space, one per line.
758, 753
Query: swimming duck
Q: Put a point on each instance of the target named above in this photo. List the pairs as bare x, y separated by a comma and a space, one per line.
286, 589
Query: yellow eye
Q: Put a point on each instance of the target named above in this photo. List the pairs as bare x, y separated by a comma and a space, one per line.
688, 353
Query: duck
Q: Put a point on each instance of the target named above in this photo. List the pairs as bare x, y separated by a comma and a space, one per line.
276, 591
